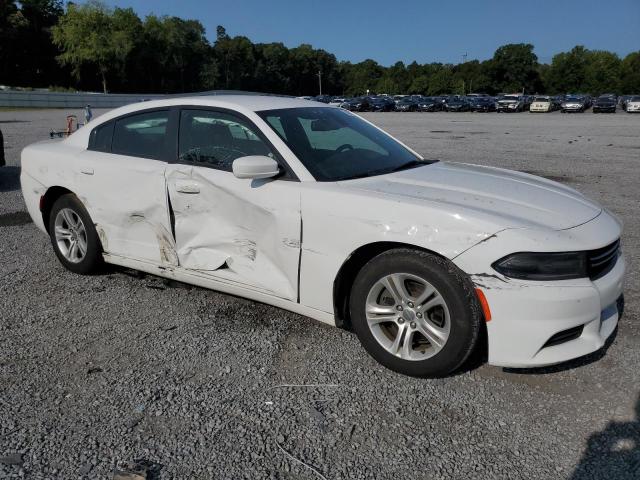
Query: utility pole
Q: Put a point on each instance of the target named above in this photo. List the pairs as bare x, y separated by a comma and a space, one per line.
320, 80
464, 58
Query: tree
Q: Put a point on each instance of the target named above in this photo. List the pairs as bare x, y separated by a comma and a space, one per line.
420, 85
630, 74
568, 70
11, 21
360, 77
394, 79
471, 76
34, 47
602, 73
94, 34
273, 71
441, 81
236, 59
514, 68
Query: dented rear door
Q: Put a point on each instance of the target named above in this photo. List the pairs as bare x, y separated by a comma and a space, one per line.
121, 181
239, 230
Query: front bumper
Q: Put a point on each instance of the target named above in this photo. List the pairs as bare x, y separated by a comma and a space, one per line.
542, 109
527, 316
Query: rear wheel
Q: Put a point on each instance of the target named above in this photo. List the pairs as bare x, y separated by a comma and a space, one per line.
415, 313
73, 236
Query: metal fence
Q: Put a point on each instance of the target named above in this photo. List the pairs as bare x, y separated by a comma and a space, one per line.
36, 99
45, 99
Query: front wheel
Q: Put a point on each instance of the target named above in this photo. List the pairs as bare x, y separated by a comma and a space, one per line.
73, 236
415, 313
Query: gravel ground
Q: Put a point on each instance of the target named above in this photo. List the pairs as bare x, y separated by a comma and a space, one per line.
126, 372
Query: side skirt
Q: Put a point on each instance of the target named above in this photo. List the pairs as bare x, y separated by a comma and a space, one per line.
193, 278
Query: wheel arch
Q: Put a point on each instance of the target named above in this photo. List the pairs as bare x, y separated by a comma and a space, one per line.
350, 268
48, 199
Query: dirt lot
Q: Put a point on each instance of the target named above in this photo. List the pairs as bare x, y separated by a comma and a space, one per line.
99, 373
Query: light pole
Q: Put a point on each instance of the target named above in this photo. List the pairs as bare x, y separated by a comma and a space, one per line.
320, 80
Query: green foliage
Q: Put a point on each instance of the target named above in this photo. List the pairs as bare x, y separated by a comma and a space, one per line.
27, 54
90, 45
94, 34
630, 73
514, 68
567, 71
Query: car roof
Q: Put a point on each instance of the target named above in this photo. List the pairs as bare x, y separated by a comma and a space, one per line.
242, 103
253, 103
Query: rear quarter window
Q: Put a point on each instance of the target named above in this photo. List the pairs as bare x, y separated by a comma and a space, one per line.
100, 138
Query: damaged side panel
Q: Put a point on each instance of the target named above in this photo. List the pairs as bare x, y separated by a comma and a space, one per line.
247, 231
127, 200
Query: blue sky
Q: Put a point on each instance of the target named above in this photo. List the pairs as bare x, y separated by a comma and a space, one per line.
407, 30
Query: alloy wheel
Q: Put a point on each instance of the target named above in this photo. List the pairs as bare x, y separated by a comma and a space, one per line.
408, 316
71, 235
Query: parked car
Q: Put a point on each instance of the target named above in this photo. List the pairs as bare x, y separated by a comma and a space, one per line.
313, 209
406, 104
456, 104
337, 101
557, 101
322, 98
633, 104
605, 103
622, 101
358, 104
430, 104
573, 104
382, 104
482, 104
510, 103
542, 103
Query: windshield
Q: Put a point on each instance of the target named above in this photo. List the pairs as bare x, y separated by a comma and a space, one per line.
573, 99
542, 99
510, 98
337, 145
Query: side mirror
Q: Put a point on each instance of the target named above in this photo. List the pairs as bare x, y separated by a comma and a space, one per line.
255, 166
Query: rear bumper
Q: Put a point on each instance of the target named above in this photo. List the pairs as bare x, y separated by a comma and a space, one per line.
32, 191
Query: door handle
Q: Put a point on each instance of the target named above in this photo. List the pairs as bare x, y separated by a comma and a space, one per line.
188, 187
86, 170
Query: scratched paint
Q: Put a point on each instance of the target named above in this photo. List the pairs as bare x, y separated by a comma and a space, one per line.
257, 238
235, 223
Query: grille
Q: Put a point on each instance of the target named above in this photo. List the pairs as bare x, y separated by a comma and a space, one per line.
564, 336
601, 261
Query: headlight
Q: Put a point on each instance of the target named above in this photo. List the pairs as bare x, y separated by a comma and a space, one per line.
543, 266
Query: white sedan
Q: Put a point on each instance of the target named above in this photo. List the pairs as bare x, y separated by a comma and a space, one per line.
541, 104
315, 210
633, 104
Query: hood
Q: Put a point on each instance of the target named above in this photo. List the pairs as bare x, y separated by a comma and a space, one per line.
512, 199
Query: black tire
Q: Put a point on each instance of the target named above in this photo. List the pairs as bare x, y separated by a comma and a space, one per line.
454, 287
92, 260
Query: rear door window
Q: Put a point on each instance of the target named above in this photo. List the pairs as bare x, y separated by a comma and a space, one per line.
142, 135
